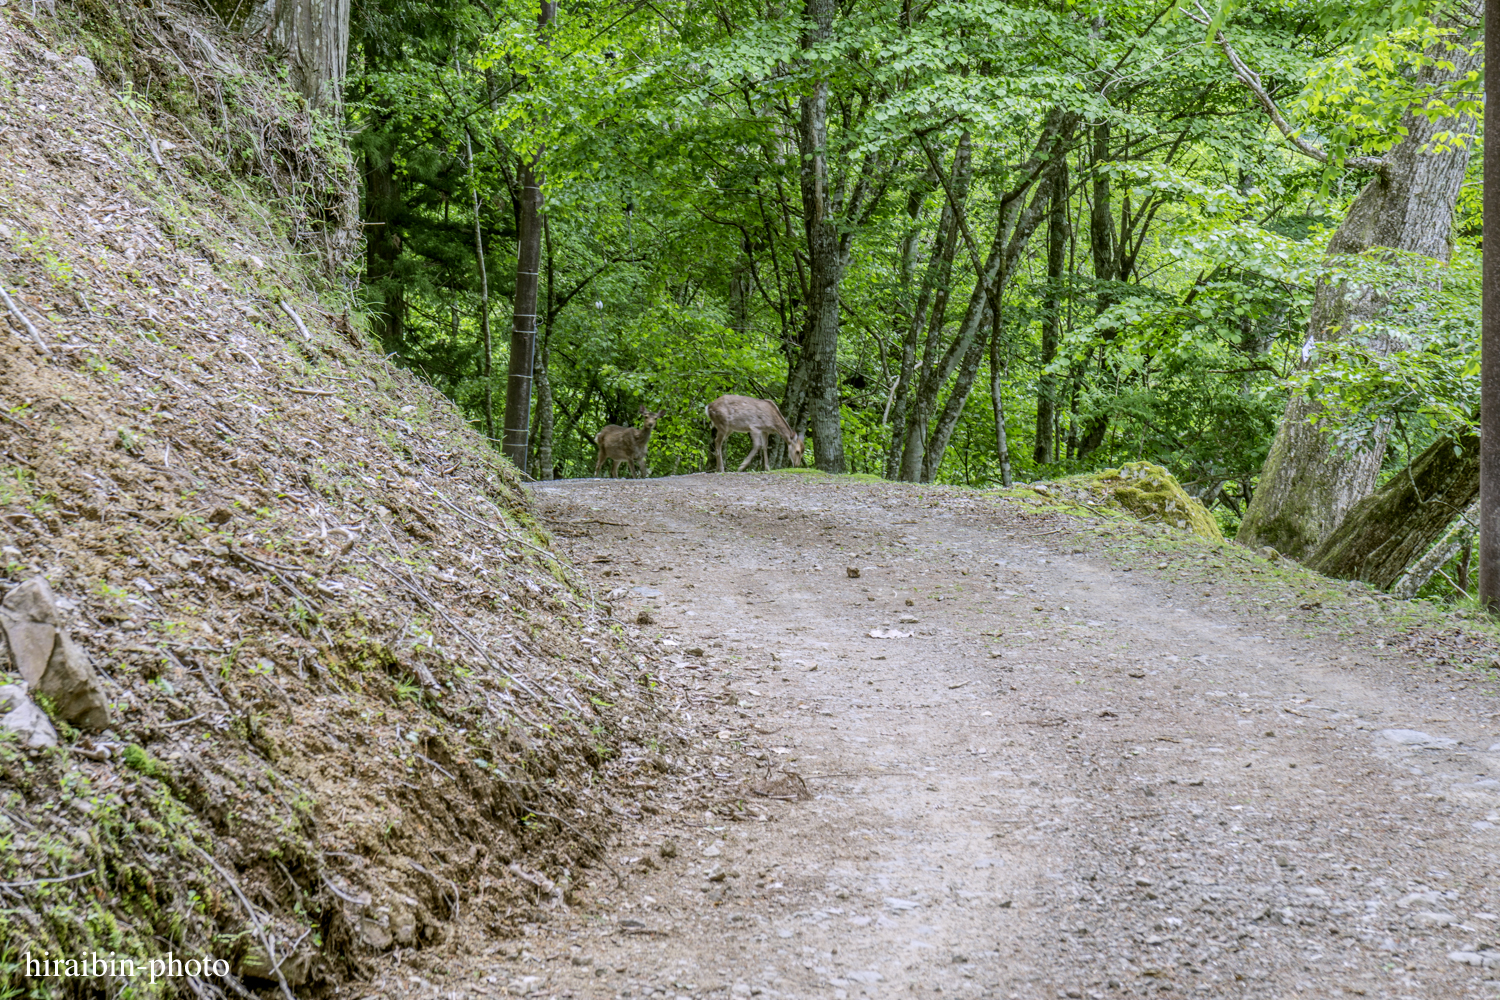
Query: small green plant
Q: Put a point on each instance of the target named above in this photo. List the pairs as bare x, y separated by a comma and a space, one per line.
138, 760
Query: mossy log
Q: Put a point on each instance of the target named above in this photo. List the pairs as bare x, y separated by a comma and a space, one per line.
1399, 522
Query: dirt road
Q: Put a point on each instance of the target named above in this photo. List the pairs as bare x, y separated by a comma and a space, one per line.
1103, 763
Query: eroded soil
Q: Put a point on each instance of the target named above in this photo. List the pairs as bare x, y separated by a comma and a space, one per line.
1107, 762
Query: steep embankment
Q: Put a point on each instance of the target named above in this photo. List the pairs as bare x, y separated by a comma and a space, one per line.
355, 702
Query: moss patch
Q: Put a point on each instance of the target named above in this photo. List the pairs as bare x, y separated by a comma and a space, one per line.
1150, 493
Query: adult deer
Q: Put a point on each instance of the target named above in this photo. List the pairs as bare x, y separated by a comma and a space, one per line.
626, 444
757, 417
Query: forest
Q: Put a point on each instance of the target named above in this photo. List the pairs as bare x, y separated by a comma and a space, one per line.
974, 242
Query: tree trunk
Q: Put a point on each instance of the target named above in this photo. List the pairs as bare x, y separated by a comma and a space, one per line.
953, 407
544, 416
313, 36
1461, 532
1308, 485
1389, 529
486, 338
932, 309
1044, 448
1102, 224
818, 359
905, 325
382, 246
997, 396
516, 435
1018, 220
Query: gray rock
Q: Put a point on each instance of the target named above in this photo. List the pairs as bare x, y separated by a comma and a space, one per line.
22, 717
1416, 738
644, 592
73, 686
1480, 959
1426, 919
85, 65
1430, 898
50, 662
28, 617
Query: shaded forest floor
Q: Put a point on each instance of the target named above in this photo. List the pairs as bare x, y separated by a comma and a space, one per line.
1108, 760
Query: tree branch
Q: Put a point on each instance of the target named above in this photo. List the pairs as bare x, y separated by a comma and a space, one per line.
1251, 80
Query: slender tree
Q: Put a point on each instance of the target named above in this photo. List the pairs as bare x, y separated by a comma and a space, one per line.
516, 438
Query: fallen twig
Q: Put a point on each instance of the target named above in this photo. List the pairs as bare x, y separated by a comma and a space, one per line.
260, 930
439, 878
15, 311
343, 895
292, 314
47, 881
311, 392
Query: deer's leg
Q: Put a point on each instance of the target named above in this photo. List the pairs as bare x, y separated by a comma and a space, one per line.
720, 436
598, 463
757, 443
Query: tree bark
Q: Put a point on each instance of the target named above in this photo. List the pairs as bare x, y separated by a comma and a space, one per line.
1308, 485
1102, 224
1018, 219
932, 310
1392, 527
905, 325
382, 211
516, 435
544, 414
818, 360
1044, 449
1419, 572
313, 36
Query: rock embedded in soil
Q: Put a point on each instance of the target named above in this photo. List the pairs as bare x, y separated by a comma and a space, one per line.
47, 658
19, 715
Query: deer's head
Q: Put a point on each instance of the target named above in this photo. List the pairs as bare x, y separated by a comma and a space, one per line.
794, 449
649, 419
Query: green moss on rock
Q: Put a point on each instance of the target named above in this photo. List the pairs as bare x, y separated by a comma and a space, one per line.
1152, 494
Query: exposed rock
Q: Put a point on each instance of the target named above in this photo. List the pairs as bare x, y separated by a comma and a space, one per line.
1482, 959
1416, 738
19, 715
73, 686
50, 662
1151, 493
27, 617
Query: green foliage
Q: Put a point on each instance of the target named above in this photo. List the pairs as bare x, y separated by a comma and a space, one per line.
675, 259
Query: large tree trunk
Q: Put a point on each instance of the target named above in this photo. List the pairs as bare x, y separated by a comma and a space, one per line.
1102, 224
516, 434
1044, 448
1392, 527
818, 378
1459, 534
313, 37
998, 369
1308, 485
